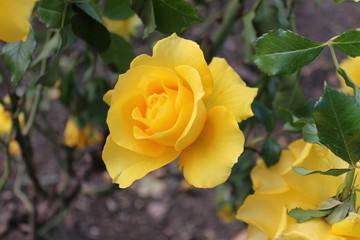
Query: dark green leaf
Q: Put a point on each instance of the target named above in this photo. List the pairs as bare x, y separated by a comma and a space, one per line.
289, 94
90, 11
175, 15
310, 134
348, 42
118, 9
119, 53
302, 215
264, 115
167, 16
53, 12
17, 56
266, 17
270, 152
249, 35
52, 73
337, 120
332, 172
88, 26
284, 52
281, 5
145, 10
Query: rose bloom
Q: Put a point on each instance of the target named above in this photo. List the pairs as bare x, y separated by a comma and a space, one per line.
352, 69
80, 137
279, 189
125, 28
172, 105
14, 25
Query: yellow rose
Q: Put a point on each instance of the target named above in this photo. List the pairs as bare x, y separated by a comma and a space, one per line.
5, 121
173, 105
352, 68
14, 25
349, 227
74, 136
125, 28
279, 189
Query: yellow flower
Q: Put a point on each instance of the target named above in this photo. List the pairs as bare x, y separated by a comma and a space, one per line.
74, 136
173, 105
14, 25
349, 227
125, 28
279, 189
14, 147
352, 68
5, 121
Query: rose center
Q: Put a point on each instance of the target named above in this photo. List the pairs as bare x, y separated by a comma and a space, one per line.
155, 105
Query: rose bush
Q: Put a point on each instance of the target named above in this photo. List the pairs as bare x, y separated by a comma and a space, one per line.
279, 189
14, 25
174, 105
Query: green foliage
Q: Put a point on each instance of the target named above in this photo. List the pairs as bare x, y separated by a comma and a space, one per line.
266, 17
167, 16
310, 133
53, 13
119, 54
284, 52
336, 116
88, 25
17, 57
332, 172
118, 9
348, 42
302, 215
248, 35
270, 151
264, 115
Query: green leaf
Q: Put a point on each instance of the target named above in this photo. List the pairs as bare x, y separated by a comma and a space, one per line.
284, 52
119, 54
329, 204
118, 9
289, 94
270, 152
310, 134
266, 17
248, 35
339, 213
52, 74
145, 10
17, 56
337, 117
53, 13
264, 115
175, 15
167, 16
90, 11
348, 42
87, 25
331, 172
302, 215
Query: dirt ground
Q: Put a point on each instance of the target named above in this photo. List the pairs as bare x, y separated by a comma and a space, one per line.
161, 206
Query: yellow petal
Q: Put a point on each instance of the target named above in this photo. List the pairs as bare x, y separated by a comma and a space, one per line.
124, 28
5, 121
230, 91
71, 133
253, 233
125, 166
265, 180
352, 68
268, 212
208, 161
294, 236
107, 97
349, 227
174, 51
198, 116
14, 25
315, 157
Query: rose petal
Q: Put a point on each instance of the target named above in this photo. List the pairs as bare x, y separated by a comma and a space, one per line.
125, 166
253, 233
230, 91
174, 51
208, 161
107, 97
14, 25
349, 227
